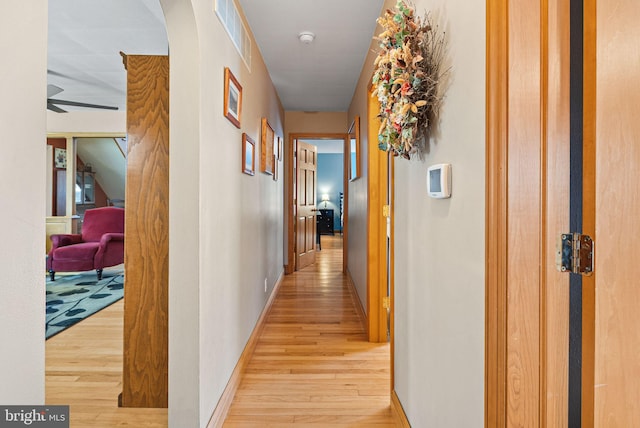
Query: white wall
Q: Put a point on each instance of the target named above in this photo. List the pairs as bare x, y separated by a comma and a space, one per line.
439, 244
22, 190
439, 288
226, 228
93, 122
184, 215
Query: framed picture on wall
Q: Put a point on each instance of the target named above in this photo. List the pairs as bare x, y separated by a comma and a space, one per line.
60, 158
354, 144
279, 149
248, 155
275, 168
267, 159
232, 98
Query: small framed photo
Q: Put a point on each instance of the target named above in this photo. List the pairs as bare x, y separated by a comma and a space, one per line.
232, 98
60, 158
279, 149
354, 139
275, 168
248, 155
266, 148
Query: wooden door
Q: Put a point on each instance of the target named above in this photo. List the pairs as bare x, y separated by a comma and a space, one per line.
528, 176
533, 119
306, 167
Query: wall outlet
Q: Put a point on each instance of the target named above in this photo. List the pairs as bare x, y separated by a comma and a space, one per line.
265, 285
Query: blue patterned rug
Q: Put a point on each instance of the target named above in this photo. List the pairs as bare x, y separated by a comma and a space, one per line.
72, 298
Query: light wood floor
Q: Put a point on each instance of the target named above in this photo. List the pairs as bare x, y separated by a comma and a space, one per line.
312, 365
84, 370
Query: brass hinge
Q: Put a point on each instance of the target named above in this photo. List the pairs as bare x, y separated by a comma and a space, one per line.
575, 253
386, 211
386, 302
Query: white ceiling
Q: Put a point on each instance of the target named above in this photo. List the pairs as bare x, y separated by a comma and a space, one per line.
85, 38
320, 76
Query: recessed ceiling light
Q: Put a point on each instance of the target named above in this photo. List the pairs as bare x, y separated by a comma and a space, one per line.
306, 37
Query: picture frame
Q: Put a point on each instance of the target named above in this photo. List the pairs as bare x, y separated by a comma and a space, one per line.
279, 150
60, 158
232, 98
354, 149
267, 159
248, 155
275, 167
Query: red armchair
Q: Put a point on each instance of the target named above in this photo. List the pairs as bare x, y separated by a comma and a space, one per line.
100, 245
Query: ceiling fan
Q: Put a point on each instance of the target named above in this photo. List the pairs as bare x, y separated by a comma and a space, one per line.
52, 103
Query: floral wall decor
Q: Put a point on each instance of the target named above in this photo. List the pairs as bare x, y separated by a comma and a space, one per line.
407, 71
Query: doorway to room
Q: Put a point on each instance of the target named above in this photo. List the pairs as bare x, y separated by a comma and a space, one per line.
317, 199
329, 198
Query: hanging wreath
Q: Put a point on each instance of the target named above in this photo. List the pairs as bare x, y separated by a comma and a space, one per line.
405, 80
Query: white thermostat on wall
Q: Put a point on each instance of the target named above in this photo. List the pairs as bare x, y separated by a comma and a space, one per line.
439, 181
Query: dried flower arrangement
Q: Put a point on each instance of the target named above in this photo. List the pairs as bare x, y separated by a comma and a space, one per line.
408, 69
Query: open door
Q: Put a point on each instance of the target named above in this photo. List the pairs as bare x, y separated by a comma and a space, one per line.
306, 168
562, 333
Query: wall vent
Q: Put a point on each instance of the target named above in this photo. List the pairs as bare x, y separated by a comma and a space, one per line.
231, 21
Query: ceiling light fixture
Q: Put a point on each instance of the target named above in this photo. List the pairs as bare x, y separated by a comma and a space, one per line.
306, 37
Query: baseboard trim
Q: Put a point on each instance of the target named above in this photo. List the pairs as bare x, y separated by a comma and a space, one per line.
356, 301
224, 404
398, 411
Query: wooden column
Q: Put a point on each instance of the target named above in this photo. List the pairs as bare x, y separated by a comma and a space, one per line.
145, 371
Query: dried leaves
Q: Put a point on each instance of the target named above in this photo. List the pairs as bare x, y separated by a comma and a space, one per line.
408, 69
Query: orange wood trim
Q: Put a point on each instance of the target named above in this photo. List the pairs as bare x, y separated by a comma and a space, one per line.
542, 250
392, 274
289, 150
356, 300
376, 230
497, 73
224, 404
589, 212
145, 362
345, 205
398, 411
318, 136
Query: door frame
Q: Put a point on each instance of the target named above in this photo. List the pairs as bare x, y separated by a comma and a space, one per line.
290, 178
378, 164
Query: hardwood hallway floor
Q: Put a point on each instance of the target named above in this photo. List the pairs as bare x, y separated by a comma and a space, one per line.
312, 365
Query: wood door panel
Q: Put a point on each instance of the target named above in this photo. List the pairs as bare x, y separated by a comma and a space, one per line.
524, 210
306, 204
527, 207
555, 304
302, 186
